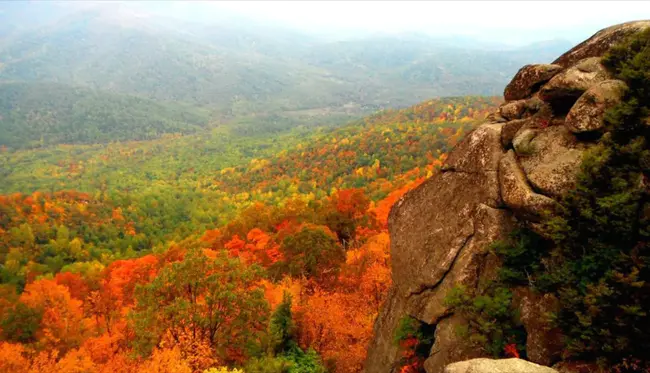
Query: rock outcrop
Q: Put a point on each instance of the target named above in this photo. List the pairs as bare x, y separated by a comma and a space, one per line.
511, 169
528, 80
588, 113
543, 340
497, 366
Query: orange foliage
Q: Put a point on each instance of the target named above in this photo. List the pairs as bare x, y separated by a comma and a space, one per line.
85, 319
74, 283
165, 361
124, 275
338, 323
62, 325
338, 327
258, 248
383, 207
12, 358
195, 352
76, 361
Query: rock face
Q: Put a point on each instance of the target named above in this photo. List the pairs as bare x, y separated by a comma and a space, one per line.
448, 345
588, 112
598, 44
517, 193
497, 366
552, 160
565, 88
543, 342
510, 169
528, 80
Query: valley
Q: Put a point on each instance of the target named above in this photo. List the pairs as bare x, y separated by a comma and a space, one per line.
185, 188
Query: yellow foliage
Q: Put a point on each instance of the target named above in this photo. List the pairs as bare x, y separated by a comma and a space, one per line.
223, 370
165, 361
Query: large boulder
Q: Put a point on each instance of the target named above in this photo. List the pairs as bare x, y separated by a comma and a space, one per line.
600, 42
528, 79
462, 261
552, 160
439, 235
509, 171
422, 251
564, 89
588, 113
449, 346
522, 142
517, 193
513, 109
479, 151
483, 365
511, 129
383, 352
544, 342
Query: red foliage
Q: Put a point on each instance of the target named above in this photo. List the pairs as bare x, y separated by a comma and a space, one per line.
510, 350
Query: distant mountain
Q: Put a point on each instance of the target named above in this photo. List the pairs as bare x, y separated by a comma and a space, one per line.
239, 69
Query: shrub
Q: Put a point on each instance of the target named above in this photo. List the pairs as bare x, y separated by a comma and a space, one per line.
493, 324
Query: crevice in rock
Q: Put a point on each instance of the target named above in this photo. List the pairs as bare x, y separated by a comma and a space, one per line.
561, 105
455, 170
425, 287
589, 136
433, 340
536, 87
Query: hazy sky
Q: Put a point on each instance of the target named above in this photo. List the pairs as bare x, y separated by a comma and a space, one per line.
511, 21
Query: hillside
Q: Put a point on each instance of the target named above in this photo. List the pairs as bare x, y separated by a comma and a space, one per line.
236, 70
307, 209
43, 114
188, 189
214, 169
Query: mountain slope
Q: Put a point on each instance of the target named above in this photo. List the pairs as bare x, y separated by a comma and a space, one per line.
49, 113
241, 69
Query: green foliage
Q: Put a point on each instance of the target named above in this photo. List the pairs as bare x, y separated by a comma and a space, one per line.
601, 264
597, 263
168, 189
46, 114
414, 335
216, 300
20, 323
268, 364
284, 355
304, 362
521, 256
294, 360
409, 327
282, 327
492, 321
312, 252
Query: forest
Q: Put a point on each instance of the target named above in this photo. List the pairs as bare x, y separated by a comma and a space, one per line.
211, 251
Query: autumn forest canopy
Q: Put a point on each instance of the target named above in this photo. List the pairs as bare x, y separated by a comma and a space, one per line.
213, 198
155, 217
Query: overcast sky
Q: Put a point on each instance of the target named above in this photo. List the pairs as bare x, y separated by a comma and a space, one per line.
510, 21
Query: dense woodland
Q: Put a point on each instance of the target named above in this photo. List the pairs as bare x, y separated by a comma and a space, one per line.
182, 254
212, 195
